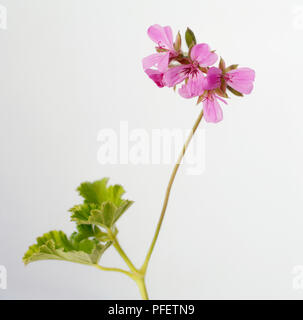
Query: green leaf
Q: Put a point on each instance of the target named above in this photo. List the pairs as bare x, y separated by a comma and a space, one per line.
104, 216
102, 206
235, 92
85, 231
55, 245
97, 192
82, 212
190, 38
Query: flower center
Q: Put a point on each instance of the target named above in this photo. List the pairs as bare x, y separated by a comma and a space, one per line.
195, 64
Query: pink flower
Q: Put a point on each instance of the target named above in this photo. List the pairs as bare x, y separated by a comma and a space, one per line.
156, 76
241, 79
211, 108
193, 88
195, 68
163, 37
197, 83
200, 56
213, 79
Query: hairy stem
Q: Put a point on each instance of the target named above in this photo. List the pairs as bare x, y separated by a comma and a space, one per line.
170, 184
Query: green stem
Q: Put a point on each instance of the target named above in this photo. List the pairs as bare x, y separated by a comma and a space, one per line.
142, 287
122, 253
135, 274
170, 183
138, 278
113, 269
139, 275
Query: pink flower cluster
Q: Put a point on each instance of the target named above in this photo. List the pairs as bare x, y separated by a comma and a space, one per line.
194, 70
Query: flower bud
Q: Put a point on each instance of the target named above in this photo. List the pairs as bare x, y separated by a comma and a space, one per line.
222, 65
221, 93
190, 38
177, 44
235, 92
232, 67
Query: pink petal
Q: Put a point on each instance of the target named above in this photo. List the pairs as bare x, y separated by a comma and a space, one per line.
212, 110
151, 60
159, 60
169, 36
219, 98
163, 62
193, 88
156, 76
161, 36
244, 73
176, 75
213, 79
241, 79
202, 54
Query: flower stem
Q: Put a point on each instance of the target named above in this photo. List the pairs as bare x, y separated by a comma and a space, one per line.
142, 287
170, 183
134, 273
139, 275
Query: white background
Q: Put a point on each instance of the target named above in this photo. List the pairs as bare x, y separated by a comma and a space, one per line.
70, 68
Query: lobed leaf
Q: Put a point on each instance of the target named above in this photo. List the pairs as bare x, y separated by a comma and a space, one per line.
102, 206
55, 245
97, 192
104, 216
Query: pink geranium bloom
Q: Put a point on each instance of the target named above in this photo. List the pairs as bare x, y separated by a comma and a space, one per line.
171, 66
241, 79
193, 88
156, 76
200, 56
197, 84
213, 79
163, 37
211, 108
